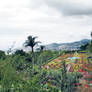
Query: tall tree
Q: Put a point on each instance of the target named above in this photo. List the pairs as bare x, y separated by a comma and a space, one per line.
30, 42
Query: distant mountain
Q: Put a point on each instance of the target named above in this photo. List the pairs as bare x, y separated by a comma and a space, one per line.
67, 46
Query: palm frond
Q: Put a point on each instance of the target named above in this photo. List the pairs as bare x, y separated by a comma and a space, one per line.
35, 37
30, 42
35, 43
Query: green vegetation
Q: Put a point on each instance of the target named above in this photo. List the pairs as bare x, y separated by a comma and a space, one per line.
24, 72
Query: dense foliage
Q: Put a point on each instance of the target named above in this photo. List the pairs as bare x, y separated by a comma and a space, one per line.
17, 73
24, 71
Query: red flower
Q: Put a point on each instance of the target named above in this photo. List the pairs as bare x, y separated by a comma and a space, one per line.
89, 68
90, 81
80, 70
86, 86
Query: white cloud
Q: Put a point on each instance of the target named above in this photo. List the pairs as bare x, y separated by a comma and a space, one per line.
45, 19
72, 7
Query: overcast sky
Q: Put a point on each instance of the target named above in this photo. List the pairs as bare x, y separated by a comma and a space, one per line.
51, 20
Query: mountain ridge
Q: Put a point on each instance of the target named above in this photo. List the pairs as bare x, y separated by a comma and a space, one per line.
67, 46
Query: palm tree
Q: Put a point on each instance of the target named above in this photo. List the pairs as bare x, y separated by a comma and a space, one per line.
30, 42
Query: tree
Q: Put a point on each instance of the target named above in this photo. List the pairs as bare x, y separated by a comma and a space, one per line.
20, 52
91, 34
84, 47
90, 45
42, 47
2, 54
30, 42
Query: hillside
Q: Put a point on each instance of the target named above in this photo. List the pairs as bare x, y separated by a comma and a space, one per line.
67, 46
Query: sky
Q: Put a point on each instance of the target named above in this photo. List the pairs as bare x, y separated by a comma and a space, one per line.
53, 21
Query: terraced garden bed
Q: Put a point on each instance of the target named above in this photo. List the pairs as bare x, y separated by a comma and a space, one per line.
77, 62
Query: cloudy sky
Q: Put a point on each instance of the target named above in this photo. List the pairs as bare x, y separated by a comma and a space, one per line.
50, 20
